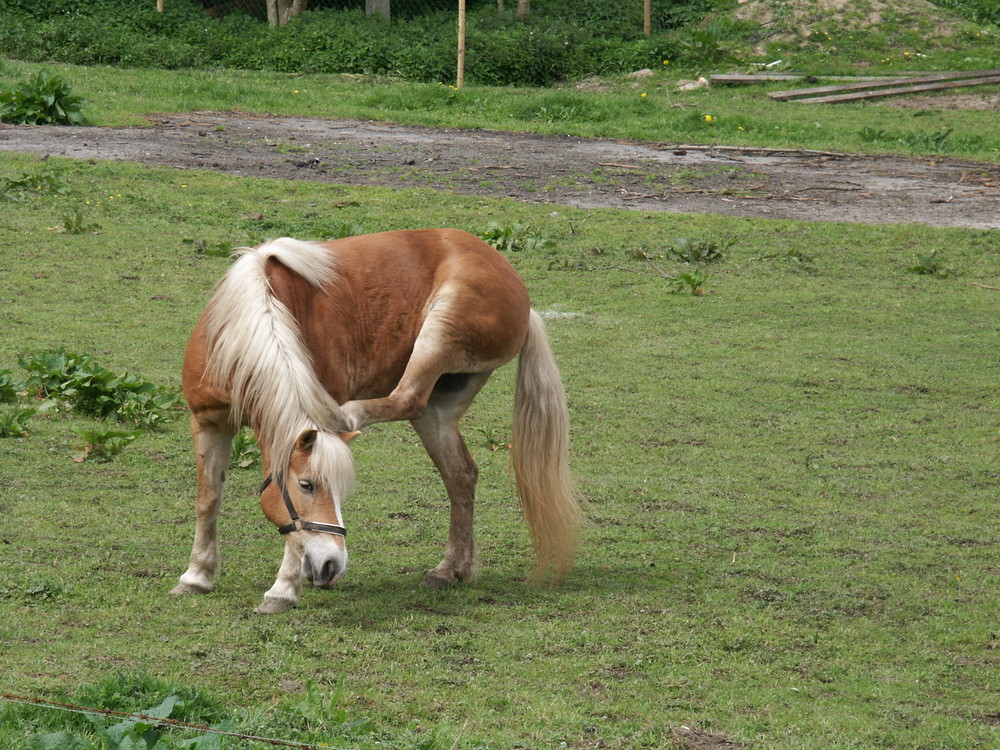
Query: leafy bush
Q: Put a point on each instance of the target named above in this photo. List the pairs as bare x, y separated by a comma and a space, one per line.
14, 420
44, 100
696, 251
929, 264
129, 694
94, 390
104, 443
560, 39
9, 388
17, 188
513, 238
983, 11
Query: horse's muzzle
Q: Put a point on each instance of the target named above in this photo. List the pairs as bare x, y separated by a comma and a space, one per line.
324, 573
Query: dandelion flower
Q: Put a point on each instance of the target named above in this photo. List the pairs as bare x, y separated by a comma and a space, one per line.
709, 118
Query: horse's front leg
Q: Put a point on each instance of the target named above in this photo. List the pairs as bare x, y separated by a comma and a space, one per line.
213, 444
287, 588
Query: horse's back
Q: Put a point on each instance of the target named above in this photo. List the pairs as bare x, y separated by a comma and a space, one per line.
388, 288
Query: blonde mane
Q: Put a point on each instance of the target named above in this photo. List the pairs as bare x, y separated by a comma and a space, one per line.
255, 346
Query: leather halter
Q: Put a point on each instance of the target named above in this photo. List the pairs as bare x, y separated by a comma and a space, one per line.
297, 523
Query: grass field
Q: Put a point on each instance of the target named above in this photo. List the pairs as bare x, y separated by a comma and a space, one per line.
791, 478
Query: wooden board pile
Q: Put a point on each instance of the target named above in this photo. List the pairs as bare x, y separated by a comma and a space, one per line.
855, 88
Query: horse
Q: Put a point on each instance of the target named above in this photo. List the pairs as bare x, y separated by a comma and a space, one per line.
310, 342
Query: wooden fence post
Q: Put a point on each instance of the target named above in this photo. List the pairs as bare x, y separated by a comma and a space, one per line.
378, 8
460, 74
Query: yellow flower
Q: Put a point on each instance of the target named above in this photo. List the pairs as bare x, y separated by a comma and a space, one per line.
643, 94
709, 118
666, 62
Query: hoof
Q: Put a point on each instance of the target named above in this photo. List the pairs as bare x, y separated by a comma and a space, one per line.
433, 579
274, 606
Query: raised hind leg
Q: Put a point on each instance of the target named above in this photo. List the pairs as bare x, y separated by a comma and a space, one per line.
213, 440
438, 429
448, 342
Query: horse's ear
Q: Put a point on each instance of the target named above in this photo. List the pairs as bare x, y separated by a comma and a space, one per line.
348, 436
306, 441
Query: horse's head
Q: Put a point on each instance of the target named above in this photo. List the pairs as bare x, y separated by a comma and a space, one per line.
305, 502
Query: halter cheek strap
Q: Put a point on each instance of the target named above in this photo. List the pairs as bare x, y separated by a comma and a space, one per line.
297, 523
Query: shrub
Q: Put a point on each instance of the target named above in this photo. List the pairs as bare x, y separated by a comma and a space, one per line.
44, 100
561, 39
94, 390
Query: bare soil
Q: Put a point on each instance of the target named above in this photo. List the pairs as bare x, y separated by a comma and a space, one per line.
570, 171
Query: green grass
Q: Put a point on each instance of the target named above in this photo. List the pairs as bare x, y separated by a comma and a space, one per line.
742, 116
792, 484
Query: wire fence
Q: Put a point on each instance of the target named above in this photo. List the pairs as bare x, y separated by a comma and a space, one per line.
510, 42
277, 12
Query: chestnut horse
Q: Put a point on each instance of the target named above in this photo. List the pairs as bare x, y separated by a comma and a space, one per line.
310, 342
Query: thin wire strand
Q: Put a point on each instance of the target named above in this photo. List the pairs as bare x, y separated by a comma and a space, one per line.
72, 708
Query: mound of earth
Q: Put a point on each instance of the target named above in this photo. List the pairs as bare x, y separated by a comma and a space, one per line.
794, 22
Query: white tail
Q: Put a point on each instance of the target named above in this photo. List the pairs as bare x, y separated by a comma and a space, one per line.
540, 457
256, 348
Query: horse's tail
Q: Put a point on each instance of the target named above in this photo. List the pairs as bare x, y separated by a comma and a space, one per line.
540, 458
256, 348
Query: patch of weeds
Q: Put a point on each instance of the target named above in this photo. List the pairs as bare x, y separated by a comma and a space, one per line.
290, 149
43, 100
74, 224
700, 45
10, 388
494, 438
91, 389
246, 452
928, 264
697, 251
914, 140
805, 261
568, 264
514, 238
146, 730
37, 589
324, 712
689, 283
14, 420
210, 249
16, 189
104, 443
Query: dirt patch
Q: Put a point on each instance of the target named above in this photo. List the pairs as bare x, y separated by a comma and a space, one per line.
794, 22
946, 102
694, 739
586, 173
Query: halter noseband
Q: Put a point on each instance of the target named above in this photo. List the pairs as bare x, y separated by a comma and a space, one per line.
297, 523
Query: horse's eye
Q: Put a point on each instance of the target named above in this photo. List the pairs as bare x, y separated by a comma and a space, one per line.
306, 485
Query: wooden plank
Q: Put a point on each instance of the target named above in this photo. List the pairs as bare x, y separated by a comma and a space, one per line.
908, 80
899, 90
763, 77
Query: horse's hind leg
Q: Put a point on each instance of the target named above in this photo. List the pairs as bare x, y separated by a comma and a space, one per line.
213, 440
438, 429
